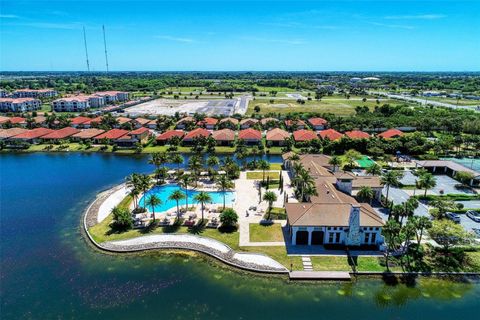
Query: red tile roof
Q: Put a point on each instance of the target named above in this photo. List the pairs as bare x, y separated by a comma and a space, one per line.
33, 134
207, 121
8, 133
79, 120
199, 132
304, 135
61, 133
250, 134
186, 119
317, 121
94, 120
139, 130
4, 119
224, 135
112, 134
143, 121
330, 134
122, 120
289, 123
88, 133
357, 134
231, 120
167, 135
391, 133
16, 120
277, 135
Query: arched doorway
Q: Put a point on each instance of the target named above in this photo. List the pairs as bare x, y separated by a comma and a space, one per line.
302, 237
317, 237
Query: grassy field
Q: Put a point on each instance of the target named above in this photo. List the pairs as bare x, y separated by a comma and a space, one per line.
266, 233
258, 175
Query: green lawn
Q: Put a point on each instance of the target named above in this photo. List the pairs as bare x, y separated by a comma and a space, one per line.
330, 263
277, 214
337, 105
266, 233
258, 175
275, 166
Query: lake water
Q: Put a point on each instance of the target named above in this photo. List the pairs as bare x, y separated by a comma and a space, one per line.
49, 272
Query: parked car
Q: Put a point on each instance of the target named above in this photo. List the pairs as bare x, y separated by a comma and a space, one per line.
474, 215
476, 232
453, 216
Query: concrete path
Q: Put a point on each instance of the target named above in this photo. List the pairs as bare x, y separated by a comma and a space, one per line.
319, 275
113, 200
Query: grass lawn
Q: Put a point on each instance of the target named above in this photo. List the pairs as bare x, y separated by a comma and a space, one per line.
338, 106
266, 233
258, 175
275, 166
330, 263
277, 214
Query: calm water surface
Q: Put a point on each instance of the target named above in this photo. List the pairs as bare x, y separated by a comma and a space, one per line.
49, 272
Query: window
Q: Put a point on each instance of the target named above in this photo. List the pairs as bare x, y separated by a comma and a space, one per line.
374, 238
337, 237
367, 236
330, 237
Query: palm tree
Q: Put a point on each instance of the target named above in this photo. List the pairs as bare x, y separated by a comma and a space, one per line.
391, 232
184, 181
195, 164
153, 201
335, 162
177, 195
270, 197
427, 181
212, 162
391, 178
133, 182
303, 179
310, 190
224, 183
374, 170
263, 165
366, 194
145, 183
158, 159
177, 159
202, 197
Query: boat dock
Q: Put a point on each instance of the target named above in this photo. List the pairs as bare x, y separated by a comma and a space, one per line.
320, 275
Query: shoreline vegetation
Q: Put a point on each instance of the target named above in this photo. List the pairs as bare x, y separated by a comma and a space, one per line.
362, 265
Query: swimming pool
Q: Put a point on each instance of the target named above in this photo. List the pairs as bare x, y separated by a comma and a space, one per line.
163, 192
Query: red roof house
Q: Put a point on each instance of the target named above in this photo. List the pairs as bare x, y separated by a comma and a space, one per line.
250, 136
297, 124
77, 121
167, 135
12, 132
224, 136
61, 133
110, 135
357, 134
32, 135
17, 120
330, 134
208, 123
277, 137
195, 134
318, 123
89, 123
87, 134
391, 133
304, 135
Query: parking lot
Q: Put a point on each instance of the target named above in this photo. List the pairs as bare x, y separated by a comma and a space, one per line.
445, 184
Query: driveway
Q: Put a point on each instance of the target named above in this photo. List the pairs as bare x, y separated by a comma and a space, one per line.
398, 196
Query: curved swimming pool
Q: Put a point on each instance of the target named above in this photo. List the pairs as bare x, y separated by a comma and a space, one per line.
164, 191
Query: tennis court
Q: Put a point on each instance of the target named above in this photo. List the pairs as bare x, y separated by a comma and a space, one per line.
365, 162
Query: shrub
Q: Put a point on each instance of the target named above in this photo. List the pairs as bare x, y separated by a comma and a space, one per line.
228, 217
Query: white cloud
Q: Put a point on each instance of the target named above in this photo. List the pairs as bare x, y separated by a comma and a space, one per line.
416, 17
177, 39
9, 16
394, 26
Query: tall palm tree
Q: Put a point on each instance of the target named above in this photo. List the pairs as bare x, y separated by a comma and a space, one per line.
153, 201
195, 164
427, 181
145, 184
133, 182
335, 162
177, 195
184, 181
366, 194
263, 165
303, 179
202, 197
270, 197
212, 162
374, 170
158, 159
391, 178
224, 183
177, 159
310, 190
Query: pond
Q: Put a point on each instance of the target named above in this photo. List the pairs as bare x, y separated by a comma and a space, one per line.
48, 271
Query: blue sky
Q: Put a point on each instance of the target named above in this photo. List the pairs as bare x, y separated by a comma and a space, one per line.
242, 35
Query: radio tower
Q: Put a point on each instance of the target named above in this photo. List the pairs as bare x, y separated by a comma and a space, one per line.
86, 50
105, 45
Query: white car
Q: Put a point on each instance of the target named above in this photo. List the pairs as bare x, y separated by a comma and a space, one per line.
474, 215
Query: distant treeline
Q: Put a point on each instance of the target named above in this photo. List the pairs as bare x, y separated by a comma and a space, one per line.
238, 81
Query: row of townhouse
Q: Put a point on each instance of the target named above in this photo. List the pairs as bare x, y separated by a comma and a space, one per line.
123, 138
85, 102
273, 137
267, 123
19, 104
35, 93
